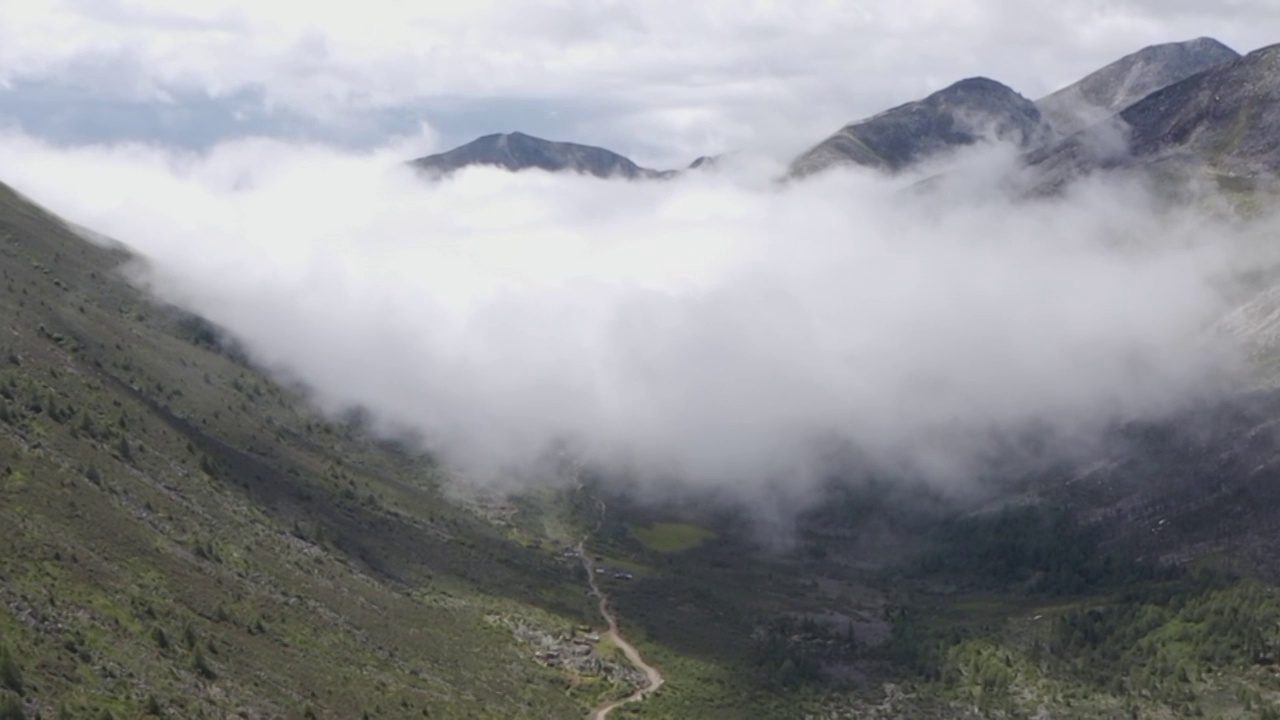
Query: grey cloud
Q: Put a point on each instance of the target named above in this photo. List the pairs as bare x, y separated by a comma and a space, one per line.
77, 115
697, 78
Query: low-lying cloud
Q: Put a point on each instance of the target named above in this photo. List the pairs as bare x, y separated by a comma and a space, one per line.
718, 329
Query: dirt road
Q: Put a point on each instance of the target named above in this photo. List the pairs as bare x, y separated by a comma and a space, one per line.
653, 677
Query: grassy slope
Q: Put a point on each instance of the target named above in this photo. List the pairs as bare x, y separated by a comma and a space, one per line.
671, 537
180, 533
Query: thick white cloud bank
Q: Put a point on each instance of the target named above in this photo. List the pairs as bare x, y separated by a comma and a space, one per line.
667, 79
718, 328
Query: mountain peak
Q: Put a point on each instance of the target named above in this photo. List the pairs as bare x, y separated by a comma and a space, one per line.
1229, 115
977, 84
518, 151
1202, 43
1109, 90
515, 136
1225, 120
972, 110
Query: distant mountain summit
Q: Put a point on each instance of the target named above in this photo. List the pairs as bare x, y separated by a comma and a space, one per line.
1192, 106
1225, 120
1103, 93
517, 151
970, 111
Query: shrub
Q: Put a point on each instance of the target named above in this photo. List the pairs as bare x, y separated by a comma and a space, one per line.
202, 666
10, 673
160, 637
11, 707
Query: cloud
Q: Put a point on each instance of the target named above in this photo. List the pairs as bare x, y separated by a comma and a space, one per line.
678, 79
720, 330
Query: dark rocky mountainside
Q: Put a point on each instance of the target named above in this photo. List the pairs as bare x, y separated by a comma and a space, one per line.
1228, 116
1225, 120
962, 114
517, 151
1111, 89
1206, 480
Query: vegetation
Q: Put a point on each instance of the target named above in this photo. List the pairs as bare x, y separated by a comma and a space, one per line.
672, 537
1035, 549
10, 673
1048, 620
183, 534
1004, 614
11, 707
1154, 638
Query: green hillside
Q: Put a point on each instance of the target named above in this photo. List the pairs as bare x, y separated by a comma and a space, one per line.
184, 538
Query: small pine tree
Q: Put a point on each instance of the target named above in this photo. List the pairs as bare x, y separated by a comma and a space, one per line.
202, 666
11, 707
10, 673
160, 637
126, 452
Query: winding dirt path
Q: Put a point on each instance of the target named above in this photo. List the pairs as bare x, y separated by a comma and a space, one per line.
653, 676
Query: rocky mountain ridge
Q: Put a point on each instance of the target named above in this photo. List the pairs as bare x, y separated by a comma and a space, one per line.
1196, 101
1224, 121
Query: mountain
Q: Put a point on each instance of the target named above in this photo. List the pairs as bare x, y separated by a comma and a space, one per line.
183, 537
1224, 121
1228, 116
968, 112
1111, 89
517, 151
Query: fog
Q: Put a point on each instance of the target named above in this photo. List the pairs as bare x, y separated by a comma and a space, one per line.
720, 330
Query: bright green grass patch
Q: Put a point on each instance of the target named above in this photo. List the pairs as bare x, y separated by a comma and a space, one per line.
672, 537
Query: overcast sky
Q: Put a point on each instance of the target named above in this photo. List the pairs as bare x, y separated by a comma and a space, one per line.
662, 80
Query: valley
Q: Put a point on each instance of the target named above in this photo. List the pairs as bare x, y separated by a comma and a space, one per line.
191, 530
